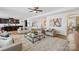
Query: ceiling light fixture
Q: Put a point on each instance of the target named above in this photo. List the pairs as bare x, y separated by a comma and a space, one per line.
35, 9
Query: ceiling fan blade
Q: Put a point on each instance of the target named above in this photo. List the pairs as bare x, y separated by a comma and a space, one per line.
36, 8
40, 10
30, 8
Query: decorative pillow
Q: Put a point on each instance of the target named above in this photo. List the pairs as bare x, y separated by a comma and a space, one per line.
5, 34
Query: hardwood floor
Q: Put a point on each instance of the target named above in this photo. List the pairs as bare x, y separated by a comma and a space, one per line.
61, 36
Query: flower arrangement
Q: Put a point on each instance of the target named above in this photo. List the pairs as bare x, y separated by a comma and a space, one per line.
34, 31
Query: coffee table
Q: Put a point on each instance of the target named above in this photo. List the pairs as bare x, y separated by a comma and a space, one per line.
34, 39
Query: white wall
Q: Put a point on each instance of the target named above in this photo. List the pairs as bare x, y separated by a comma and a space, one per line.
36, 20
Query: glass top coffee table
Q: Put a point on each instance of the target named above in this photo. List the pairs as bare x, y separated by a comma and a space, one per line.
34, 38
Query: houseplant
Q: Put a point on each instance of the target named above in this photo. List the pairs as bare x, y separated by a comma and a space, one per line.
34, 32
77, 28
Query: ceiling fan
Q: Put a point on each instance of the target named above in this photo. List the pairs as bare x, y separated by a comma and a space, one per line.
35, 9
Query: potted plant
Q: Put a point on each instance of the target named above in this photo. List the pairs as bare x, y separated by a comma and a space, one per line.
77, 28
34, 32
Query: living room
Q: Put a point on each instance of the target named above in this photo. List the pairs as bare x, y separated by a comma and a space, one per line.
39, 28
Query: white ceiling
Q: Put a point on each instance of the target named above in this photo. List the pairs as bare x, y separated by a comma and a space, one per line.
23, 12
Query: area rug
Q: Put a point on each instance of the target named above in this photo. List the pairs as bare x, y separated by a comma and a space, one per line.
47, 44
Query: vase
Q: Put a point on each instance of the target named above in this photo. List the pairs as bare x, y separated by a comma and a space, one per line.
33, 35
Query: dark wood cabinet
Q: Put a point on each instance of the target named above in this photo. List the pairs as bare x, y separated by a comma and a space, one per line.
2, 20
9, 20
